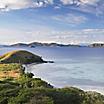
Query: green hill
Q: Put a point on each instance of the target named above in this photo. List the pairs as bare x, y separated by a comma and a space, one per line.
36, 91
20, 56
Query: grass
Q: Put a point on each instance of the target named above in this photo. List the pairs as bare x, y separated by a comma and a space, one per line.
20, 56
12, 70
10, 67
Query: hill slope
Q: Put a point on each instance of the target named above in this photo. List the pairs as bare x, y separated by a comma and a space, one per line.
20, 56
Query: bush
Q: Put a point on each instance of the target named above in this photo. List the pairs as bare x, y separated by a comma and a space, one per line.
29, 75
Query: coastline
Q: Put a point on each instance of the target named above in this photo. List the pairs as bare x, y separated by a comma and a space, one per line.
98, 89
27, 85
92, 89
85, 88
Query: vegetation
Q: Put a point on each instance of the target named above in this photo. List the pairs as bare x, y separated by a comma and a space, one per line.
20, 56
14, 93
11, 71
10, 67
18, 87
28, 90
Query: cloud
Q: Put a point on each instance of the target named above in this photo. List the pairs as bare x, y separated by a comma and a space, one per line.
70, 19
66, 2
88, 6
79, 36
6, 5
12, 35
89, 1
49, 35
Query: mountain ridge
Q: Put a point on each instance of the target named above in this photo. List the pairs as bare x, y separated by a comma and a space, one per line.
36, 44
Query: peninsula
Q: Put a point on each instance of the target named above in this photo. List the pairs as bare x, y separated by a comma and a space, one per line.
21, 56
19, 87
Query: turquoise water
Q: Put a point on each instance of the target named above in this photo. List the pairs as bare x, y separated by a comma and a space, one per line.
74, 66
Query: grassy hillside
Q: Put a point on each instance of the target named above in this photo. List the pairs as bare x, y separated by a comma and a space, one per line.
10, 71
35, 91
20, 56
10, 67
28, 90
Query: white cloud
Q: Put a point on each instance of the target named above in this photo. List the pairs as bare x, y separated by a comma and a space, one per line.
49, 35
12, 35
66, 2
6, 5
88, 6
89, 1
70, 19
79, 36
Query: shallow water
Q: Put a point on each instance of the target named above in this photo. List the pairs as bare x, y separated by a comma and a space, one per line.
74, 66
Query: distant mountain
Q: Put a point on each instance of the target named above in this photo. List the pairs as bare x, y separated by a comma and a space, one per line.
35, 44
3, 46
96, 45
19, 45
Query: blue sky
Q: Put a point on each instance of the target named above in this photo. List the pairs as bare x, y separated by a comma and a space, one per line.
62, 21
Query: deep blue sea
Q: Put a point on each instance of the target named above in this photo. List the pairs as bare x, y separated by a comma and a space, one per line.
81, 67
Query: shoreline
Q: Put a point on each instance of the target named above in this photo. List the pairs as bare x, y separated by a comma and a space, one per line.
29, 87
98, 89
92, 89
84, 88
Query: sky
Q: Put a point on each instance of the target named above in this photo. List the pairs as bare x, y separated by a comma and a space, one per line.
61, 21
